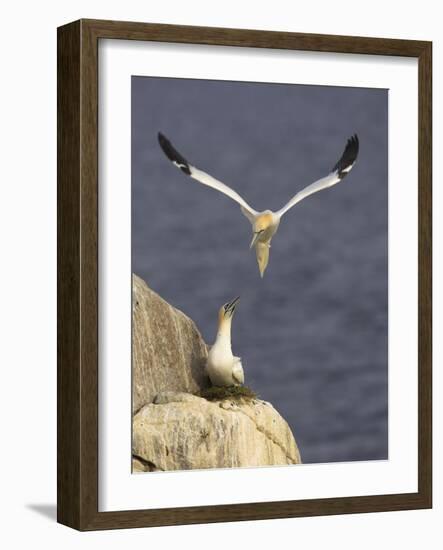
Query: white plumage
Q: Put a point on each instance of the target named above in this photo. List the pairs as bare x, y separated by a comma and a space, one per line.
265, 224
222, 367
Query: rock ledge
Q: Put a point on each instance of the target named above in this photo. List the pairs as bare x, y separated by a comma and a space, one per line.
179, 431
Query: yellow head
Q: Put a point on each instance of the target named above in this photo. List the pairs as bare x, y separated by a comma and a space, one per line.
261, 226
263, 221
226, 312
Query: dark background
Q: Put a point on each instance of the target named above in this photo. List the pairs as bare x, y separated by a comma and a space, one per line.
313, 333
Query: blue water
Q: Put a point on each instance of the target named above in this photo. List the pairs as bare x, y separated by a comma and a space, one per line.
313, 333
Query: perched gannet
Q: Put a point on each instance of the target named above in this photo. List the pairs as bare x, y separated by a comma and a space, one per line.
222, 367
265, 224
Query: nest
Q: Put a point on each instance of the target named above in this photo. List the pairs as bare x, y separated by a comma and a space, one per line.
218, 393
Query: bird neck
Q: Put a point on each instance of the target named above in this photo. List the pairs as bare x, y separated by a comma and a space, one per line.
224, 332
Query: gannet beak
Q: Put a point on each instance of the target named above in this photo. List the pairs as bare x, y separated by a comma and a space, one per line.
254, 239
230, 307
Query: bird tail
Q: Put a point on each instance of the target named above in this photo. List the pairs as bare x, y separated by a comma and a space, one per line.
262, 253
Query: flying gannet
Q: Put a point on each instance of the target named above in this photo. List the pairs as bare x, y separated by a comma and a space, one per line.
222, 367
264, 224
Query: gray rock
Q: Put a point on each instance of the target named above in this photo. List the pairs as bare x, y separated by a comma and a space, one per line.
168, 350
183, 432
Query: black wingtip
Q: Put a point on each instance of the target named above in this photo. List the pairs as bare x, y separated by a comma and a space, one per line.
348, 157
172, 154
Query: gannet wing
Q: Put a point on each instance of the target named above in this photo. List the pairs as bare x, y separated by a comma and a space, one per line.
237, 371
340, 170
178, 160
250, 214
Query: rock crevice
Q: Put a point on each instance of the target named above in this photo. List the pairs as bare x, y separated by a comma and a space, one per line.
271, 435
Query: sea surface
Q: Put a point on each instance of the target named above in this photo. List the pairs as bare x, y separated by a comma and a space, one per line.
313, 334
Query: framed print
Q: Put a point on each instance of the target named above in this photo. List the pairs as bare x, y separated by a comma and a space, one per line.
244, 275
